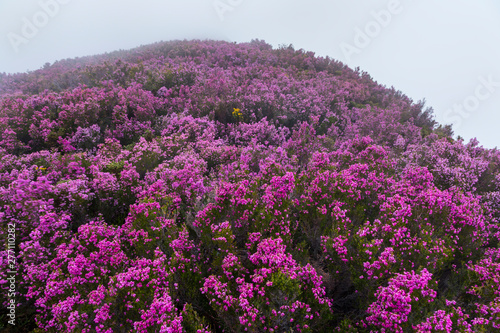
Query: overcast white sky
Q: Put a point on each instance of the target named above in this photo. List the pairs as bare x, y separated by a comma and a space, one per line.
446, 51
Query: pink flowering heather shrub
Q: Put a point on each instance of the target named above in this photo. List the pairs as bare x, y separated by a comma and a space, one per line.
278, 294
453, 319
201, 186
390, 312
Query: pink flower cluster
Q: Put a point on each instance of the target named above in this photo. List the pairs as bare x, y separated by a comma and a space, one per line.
394, 303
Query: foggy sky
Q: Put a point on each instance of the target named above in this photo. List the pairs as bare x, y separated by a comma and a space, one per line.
445, 51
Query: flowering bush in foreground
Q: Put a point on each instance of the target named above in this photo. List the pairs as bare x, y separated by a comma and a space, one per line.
213, 187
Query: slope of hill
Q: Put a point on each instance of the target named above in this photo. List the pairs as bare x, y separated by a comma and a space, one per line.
201, 186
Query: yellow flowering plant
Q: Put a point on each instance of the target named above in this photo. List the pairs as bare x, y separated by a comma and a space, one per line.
237, 114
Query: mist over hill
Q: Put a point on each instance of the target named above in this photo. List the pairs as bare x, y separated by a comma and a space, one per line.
204, 186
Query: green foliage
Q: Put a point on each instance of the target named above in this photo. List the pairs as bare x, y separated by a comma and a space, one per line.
114, 167
191, 321
284, 289
326, 124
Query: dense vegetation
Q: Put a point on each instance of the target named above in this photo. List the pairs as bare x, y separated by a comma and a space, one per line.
214, 187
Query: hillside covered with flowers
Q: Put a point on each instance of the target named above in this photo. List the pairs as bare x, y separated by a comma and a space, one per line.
201, 186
